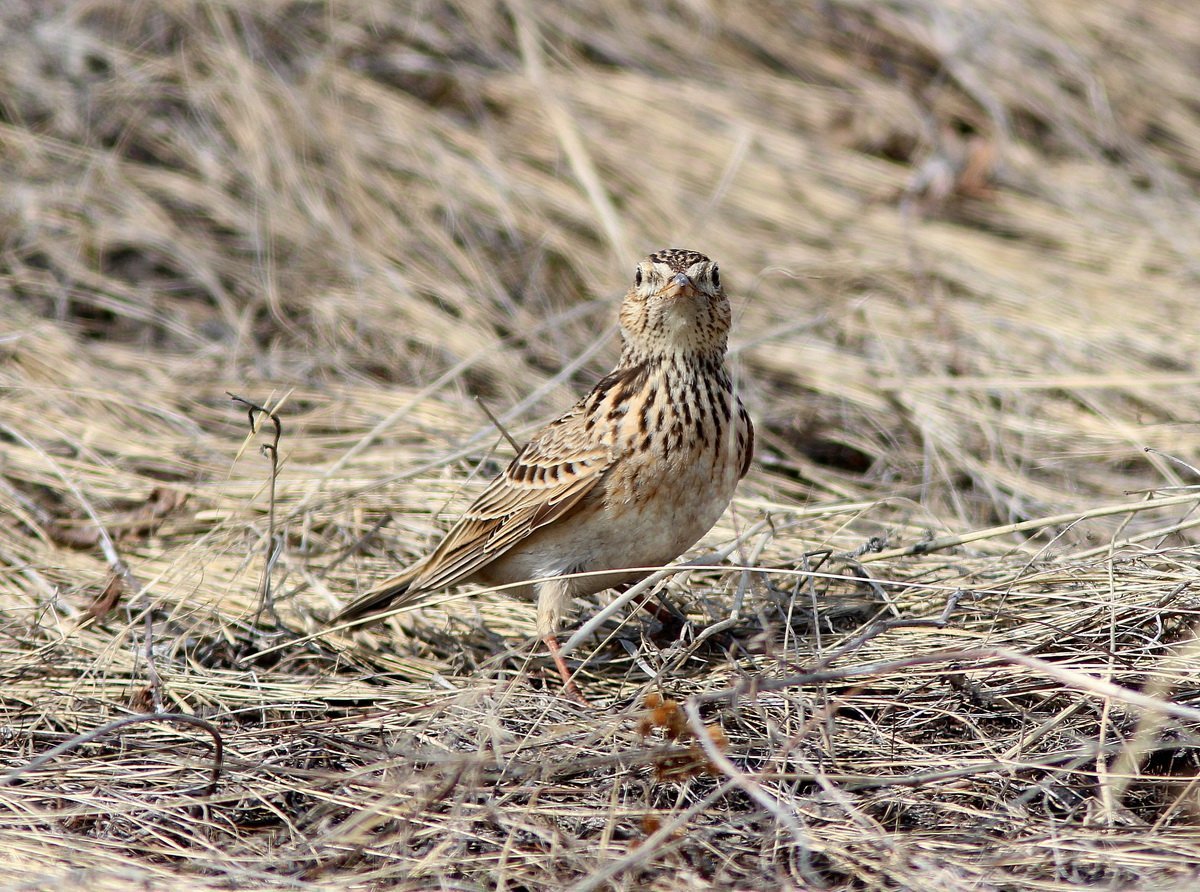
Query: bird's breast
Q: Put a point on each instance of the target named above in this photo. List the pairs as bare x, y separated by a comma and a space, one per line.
679, 460
678, 440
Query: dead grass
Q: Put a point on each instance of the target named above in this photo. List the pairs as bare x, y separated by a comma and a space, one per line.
961, 240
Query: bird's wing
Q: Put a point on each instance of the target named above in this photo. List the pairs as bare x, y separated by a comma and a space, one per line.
550, 475
542, 484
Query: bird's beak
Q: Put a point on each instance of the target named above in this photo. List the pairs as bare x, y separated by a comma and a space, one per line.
679, 286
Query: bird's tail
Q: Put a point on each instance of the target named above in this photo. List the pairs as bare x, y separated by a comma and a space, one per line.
394, 592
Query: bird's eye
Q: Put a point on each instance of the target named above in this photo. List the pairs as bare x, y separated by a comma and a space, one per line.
715, 275
637, 277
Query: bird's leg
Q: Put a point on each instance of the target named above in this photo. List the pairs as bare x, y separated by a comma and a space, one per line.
572, 689
553, 596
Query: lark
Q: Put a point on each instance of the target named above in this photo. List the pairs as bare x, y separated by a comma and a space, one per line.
628, 478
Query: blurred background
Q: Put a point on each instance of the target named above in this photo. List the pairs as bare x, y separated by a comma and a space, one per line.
961, 240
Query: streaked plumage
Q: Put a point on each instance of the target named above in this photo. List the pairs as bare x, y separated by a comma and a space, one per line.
631, 476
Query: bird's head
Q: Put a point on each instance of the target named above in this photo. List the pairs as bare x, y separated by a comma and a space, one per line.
676, 306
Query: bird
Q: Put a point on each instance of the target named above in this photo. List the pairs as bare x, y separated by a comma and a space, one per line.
628, 478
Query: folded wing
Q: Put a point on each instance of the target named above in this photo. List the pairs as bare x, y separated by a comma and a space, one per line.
546, 480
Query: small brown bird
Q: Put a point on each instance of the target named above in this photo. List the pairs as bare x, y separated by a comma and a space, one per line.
631, 476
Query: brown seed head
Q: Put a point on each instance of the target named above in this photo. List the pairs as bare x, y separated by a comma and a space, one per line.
675, 307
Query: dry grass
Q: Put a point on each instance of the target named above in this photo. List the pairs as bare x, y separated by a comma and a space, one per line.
961, 240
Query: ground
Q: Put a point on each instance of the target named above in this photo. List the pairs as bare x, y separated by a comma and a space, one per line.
945, 637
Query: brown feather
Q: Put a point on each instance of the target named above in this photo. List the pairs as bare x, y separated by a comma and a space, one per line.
540, 486
632, 475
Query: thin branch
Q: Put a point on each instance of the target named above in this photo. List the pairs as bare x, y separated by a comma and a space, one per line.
81, 739
652, 580
115, 562
650, 846
982, 657
886, 625
107, 546
746, 784
496, 421
1037, 523
156, 682
271, 450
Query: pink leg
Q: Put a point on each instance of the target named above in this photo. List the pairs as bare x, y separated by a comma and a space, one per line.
572, 689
